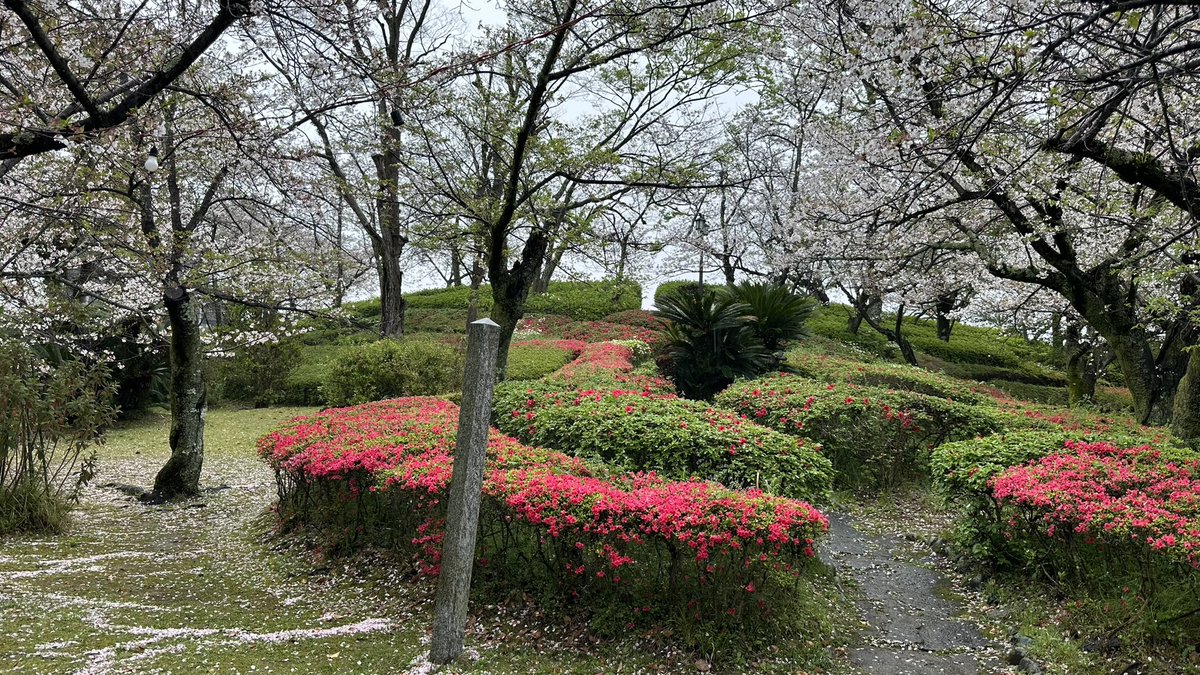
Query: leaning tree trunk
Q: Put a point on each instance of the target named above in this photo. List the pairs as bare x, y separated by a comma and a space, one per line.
180, 477
1185, 419
510, 290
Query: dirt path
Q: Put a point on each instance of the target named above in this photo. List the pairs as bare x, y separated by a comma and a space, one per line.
914, 619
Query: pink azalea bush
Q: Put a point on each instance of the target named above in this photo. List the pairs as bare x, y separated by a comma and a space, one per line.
602, 364
874, 436
378, 472
1096, 494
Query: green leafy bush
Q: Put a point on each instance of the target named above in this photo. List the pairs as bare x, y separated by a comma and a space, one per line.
1036, 393
388, 369
640, 431
258, 374
54, 410
875, 437
818, 365
580, 300
671, 288
435, 320
533, 359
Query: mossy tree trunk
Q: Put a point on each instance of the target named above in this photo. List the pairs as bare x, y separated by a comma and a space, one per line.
1185, 419
180, 477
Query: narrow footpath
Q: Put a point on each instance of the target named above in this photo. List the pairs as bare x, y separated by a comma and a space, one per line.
914, 619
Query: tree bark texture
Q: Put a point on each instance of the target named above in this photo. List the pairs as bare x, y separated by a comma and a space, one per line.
180, 477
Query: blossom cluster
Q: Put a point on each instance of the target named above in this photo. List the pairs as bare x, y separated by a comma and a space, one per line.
601, 526
1104, 494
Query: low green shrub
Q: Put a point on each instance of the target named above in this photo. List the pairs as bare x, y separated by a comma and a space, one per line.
875, 437
819, 365
580, 300
1028, 373
679, 439
55, 409
1035, 393
435, 320
259, 374
831, 322
388, 369
533, 359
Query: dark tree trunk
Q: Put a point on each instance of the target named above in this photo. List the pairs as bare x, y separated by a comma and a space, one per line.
542, 283
1081, 368
510, 290
391, 240
894, 334
942, 308
727, 268
865, 305
180, 477
1185, 419
391, 285
945, 325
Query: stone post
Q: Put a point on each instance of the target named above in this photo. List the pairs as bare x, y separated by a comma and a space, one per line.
466, 490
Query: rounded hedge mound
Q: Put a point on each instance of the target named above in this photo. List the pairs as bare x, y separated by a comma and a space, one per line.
640, 430
875, 437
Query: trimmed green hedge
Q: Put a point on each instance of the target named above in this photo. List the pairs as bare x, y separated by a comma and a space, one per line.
875, 437
388, 369
532, 360
580, 300
817, 365
671, 288
676, 438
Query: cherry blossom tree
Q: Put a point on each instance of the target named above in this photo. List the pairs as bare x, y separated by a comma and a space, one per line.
1047, 140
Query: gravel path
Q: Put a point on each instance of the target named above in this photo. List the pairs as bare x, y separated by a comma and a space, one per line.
914, 619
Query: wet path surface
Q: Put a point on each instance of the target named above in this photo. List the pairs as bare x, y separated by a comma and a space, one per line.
914, 621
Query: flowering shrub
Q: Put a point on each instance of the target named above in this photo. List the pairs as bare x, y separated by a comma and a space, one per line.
639, 318
875, 437
967, 469
595, 331
385, 467
1099, 494
815, 365
606, 364
640, 430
